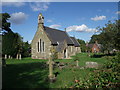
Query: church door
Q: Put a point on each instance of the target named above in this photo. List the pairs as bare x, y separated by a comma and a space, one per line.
65, 53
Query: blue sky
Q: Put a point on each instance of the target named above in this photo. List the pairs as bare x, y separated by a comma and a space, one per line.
79, 18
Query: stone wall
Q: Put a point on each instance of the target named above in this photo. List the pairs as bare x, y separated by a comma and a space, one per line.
40, 34
69, 53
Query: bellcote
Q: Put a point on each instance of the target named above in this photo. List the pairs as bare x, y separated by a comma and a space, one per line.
40, 19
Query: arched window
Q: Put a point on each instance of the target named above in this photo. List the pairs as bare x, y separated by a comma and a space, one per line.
43, 47
40, 46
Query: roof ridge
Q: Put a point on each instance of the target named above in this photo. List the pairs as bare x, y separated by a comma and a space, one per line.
54, 29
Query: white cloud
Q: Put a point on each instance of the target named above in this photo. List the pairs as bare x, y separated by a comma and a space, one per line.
39, 6
118, 12
55, 26
29, 41
97, 18
34, 4
16, 4
80, 28
18, 18
49, 20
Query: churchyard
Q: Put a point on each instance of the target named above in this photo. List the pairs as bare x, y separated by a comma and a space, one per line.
33, 73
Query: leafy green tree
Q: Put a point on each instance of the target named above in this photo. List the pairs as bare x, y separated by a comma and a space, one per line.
26, 49
4, 24
82, 45
117, 35
109, 36
95, 38
11, 43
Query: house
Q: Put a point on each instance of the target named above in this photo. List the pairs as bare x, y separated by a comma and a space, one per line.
46, 38
94, 48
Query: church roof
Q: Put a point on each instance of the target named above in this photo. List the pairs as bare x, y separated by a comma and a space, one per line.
76, 43
57, 36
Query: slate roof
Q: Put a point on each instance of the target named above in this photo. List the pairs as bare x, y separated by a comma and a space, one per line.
76, 43
91, 45
57, 36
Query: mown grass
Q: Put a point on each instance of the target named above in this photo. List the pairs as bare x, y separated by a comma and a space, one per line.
24, 75
83, 57
32, 73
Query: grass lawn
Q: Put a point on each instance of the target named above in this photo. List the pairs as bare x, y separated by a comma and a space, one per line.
29, 73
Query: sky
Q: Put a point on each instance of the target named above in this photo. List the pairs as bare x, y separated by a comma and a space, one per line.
80, 19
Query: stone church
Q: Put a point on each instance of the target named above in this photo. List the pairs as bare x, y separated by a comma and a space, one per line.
46, 38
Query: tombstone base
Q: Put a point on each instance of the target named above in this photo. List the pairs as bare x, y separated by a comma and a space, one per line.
51, 79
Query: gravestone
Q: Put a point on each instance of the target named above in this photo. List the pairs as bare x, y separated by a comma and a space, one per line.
5, 56
9, 56
20, 56
91, 65
17, 56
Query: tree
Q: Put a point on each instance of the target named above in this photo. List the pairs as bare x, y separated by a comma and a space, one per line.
26, 49
82, 45
117, 36
11, 43
4, 17
95, 38
109, 36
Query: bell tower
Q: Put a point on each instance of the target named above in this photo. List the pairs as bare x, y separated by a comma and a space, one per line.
40, 19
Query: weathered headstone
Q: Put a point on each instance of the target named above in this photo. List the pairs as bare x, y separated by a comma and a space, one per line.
9, 56
17, 56
20, 56
91, 65
5, 56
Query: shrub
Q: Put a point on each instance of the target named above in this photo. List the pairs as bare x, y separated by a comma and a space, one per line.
107, 77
